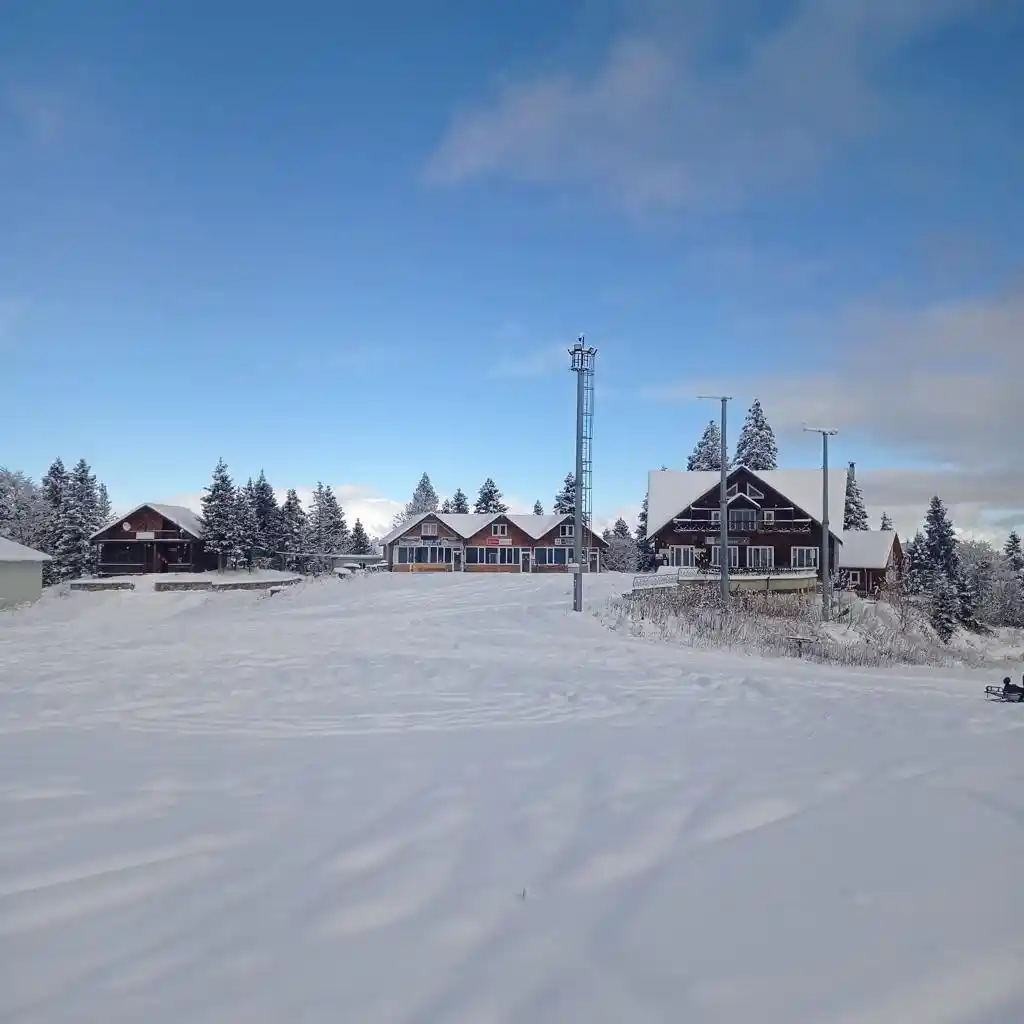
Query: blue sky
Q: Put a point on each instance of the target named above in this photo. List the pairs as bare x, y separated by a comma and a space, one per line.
353, 245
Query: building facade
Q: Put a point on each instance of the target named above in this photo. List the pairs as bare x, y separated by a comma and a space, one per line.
774, 518
21, 573
869, 559
153, 538
485, 542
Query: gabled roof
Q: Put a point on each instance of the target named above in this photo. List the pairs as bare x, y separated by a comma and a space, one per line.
12, 551
184, 518
670, 491
867, 549
466, 524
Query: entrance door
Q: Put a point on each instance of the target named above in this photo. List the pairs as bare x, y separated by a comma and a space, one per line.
525, 563
457, 560
594, 555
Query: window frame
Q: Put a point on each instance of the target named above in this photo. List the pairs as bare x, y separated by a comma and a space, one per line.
499, 529
804, 548
676, 553
428, 529
754, 492
734, 556
566, 529
761, 547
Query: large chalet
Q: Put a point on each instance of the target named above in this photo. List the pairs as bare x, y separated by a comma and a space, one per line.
488, 542
774, 517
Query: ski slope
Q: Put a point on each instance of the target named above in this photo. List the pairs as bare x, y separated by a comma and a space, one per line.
423, 799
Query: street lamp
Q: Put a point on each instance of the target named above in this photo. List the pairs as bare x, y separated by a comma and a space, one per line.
823, 559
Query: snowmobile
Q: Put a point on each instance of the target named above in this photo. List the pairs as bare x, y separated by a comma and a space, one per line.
1008, 691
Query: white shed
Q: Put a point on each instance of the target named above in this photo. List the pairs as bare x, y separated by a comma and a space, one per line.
21, 573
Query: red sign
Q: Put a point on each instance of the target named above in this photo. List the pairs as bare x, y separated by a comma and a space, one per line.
496, 542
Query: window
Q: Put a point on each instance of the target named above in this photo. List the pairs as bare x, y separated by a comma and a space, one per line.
743, 519
550, 556
428, 529
732, 491
855, 577
508, 556
734, 556
683, 556
567, 530
804, 558
493, 556
768, 516
716, 515
432, 555
760, 558
499, 529
753, 492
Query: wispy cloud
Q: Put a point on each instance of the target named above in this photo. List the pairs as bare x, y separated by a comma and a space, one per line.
657, 125
539, 362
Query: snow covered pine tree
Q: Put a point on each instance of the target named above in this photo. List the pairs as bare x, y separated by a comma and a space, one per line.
756, 447
565, 499
424, 499
538, 508
707, 455
886, 523
488, 498
54, 486
360, 543
622, 554
460, 503
220, 517
855, 516
293, 531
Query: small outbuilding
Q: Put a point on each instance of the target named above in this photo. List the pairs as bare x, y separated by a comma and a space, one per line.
868, 558
21, 573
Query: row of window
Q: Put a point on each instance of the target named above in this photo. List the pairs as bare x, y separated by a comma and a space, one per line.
757, 557
432, 555
497, 530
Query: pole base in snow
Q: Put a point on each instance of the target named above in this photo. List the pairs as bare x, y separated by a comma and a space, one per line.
577, 591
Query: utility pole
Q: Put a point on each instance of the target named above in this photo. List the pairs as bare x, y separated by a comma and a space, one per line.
723, 499
823, 559
582, 364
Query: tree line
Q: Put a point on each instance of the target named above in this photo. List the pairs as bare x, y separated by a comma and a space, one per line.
57, 516
244, 524
489, 500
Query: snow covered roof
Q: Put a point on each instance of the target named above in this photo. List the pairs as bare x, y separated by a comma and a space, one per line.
867, 549
670, 491
12, 551
466, 524
182, 517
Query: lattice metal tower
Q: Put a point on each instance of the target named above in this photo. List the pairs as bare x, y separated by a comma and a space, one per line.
583, 366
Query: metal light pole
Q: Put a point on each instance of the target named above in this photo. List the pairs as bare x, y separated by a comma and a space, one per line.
723, 550
582, 364
823, 559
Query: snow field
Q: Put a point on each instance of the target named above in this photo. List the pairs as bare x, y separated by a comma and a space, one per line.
419, 799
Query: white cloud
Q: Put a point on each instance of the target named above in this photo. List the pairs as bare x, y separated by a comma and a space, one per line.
938, 385
658, 124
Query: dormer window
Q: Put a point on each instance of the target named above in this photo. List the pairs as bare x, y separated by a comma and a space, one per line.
499, 529
566, 530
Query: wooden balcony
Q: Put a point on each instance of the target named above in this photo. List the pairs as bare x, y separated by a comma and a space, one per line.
707, 527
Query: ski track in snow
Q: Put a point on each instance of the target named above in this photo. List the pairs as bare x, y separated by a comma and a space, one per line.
430, 799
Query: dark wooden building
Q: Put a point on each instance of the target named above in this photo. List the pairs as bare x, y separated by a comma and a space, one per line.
153, 538
488, 542
775, 517
869, 558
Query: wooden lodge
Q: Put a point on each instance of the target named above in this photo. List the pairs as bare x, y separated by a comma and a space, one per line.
869, 559
774, 518
488, 542
153, 539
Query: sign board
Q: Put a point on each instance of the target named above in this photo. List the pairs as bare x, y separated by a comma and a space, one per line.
145, 535
566, 541
497, 542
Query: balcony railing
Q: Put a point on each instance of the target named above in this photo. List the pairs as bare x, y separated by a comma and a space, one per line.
743, 525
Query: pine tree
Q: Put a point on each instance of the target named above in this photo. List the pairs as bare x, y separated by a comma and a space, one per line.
707, 455
488, 498
941, 571
267, 514
756, 447
54, 487
645, 553
446, 507
943, 606
913, 553
360, 542
75, 555
565, 499
250, 539
293, 529
105, 511
855, 516
538, 508
939, 554
460, 503
220, 517
621, 529
424, 499
886, 523
1013, 552
328, 532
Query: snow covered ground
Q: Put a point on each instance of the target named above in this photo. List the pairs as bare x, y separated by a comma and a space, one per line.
420, 799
